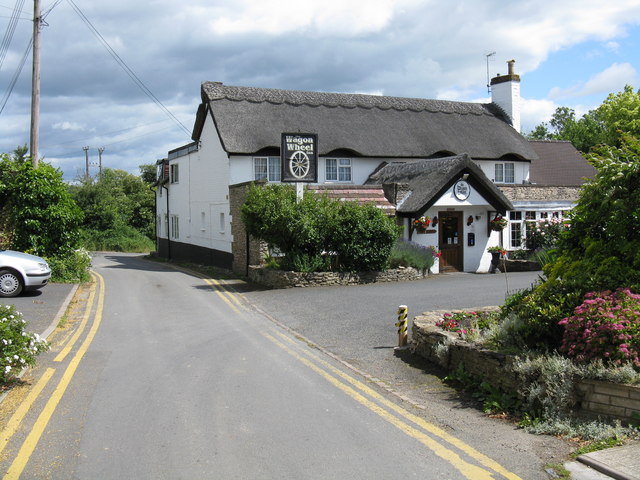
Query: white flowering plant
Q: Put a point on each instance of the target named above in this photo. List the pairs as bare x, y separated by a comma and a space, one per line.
544, 234
18, 348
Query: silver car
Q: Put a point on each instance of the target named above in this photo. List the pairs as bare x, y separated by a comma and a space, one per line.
21, 271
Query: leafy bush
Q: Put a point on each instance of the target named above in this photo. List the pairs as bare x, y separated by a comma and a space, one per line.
606, 326
546, 384
317, 232
120, 239
43, 217
70, 268
600, 251
116, 199
363, 237
411, 254
18, 348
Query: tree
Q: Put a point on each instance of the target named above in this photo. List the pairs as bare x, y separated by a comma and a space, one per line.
40, 214
598, 252
619, 114
148, 173
116, 205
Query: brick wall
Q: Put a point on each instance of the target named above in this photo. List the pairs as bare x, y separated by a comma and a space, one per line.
611, 400
246, 251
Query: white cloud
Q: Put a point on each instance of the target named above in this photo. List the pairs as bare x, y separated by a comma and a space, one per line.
413, 48
534, 112
67, 126
333, 17
612, 79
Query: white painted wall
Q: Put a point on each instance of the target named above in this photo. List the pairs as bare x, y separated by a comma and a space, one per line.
202, 194
520, 170
476, 258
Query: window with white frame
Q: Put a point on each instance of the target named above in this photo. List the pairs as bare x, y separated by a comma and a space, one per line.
504, 173
338, 170
515, 227
266, 168
175, 227
174, 173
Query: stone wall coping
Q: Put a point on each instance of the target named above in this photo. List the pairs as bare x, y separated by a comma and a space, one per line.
287, 279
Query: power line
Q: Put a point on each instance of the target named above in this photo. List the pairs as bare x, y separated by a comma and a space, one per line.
23, 60
15, 77
126, 67
11, 28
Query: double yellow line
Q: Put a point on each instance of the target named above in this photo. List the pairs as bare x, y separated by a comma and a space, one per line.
441, 443
30, 443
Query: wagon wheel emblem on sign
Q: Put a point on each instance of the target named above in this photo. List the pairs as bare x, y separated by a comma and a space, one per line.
299, 164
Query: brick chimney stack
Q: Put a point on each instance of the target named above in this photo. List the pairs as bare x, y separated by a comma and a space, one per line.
505, 93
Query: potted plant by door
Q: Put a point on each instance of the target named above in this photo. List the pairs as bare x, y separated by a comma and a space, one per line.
496, 252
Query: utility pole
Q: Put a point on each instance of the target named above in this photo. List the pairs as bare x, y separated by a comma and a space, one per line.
86, 163
35, 83
100, 150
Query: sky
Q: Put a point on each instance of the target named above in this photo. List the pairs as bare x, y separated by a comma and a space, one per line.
568, 53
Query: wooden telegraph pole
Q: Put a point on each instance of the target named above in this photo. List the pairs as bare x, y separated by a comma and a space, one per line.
35, 84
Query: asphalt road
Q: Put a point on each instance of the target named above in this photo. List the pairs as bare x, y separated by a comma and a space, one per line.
174, 377
357, 322
40, 308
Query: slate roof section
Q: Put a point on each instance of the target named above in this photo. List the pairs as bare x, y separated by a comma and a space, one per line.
427, 180
251, 119
558, 164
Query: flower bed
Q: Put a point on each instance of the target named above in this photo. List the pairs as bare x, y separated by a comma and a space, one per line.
448, 348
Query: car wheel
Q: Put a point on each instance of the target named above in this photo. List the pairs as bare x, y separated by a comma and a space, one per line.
10, 283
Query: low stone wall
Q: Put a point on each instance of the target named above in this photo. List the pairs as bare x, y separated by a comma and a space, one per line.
447, 349
280, 279
611, 400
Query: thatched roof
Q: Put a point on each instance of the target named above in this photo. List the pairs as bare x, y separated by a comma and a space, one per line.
249, 120
425, 181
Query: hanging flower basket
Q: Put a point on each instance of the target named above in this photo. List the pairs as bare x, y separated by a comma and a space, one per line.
498, 223
421, 224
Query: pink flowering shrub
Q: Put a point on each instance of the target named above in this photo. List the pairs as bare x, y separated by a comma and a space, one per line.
606, 326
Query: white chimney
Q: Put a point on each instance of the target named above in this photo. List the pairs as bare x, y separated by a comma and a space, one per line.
505, 93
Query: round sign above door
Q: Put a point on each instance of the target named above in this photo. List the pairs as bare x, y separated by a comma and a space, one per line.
461, 189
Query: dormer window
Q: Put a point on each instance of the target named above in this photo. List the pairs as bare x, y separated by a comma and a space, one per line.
504, 173
266, 168
338, 170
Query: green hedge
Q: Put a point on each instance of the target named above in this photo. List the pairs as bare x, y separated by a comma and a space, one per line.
318, 233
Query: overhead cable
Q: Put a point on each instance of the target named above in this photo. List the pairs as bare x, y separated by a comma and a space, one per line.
126, 67
11, 28
15, 77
